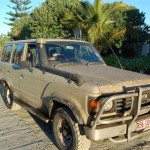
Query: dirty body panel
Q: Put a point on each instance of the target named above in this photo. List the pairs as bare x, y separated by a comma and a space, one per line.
107, 101
128, 91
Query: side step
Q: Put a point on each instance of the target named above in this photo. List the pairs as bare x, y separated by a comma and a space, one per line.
33, 111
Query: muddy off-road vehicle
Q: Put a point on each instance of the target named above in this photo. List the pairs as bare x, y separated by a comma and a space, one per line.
67, 82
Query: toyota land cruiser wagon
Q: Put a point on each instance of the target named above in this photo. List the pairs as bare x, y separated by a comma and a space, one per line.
68, 82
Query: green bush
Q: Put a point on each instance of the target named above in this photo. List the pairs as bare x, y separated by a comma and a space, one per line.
3, 39
138, 65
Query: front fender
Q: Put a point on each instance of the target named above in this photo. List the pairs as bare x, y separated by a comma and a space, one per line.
52, 95
75, 112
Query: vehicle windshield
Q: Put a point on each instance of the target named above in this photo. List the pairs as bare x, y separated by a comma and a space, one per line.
72, 52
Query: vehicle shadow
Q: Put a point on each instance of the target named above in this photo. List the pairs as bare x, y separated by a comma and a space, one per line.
1, 94
46, 128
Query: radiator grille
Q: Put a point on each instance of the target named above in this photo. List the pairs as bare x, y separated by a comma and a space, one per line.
123, 105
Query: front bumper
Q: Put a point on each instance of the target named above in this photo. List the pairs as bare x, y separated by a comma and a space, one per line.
126, 124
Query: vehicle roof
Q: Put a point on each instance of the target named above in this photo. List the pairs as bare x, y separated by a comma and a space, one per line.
47, 40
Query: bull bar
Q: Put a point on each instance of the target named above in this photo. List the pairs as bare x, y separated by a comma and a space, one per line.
124, 125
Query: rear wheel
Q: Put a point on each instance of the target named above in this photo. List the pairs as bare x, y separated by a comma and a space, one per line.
67, 132
9, 98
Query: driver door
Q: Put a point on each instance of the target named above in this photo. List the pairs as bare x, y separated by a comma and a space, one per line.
30, 80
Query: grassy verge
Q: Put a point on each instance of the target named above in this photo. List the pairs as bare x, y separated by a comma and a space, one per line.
138, 65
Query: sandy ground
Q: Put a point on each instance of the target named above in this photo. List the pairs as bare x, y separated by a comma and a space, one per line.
20, 130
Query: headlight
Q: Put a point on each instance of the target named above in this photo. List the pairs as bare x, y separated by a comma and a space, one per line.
94, 105
109, 106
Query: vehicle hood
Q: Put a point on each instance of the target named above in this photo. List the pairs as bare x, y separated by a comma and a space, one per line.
109, 79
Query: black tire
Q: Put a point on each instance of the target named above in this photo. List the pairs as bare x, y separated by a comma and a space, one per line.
67, 132
9, 98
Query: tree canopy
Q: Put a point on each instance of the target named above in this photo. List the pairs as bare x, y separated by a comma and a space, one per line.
104, 24
3, 39
97, 22
21, 29
19, 9
47, 19
135, 24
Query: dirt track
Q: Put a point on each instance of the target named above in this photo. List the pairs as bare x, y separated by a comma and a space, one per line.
21, 131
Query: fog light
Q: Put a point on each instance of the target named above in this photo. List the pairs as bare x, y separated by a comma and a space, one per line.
109, 106
94, 105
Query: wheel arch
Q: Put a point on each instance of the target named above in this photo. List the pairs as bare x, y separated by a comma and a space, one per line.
3, 80
55, 103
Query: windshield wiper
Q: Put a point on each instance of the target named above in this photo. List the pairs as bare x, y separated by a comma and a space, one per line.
93, 63
61, 64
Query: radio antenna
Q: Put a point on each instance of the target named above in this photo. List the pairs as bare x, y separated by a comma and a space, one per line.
114, 54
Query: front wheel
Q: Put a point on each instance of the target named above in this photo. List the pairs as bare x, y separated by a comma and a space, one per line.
67, 132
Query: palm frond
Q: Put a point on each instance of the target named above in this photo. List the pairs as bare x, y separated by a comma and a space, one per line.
98, 5
117, 34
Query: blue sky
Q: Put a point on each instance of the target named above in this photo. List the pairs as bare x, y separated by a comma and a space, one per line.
143, 5
4, 8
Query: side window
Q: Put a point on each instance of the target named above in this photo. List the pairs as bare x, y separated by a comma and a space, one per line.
32, 55
18, 53
3, 53
6, 55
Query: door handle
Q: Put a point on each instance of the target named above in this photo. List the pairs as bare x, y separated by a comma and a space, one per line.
21, 76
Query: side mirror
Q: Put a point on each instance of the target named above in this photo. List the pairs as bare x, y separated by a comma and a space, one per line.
25, 64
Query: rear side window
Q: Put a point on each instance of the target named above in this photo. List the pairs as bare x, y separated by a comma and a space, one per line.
18, 53
6, 55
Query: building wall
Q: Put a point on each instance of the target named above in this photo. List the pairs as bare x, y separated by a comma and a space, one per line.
145, 49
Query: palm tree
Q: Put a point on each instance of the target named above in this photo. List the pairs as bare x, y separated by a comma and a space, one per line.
96, 22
